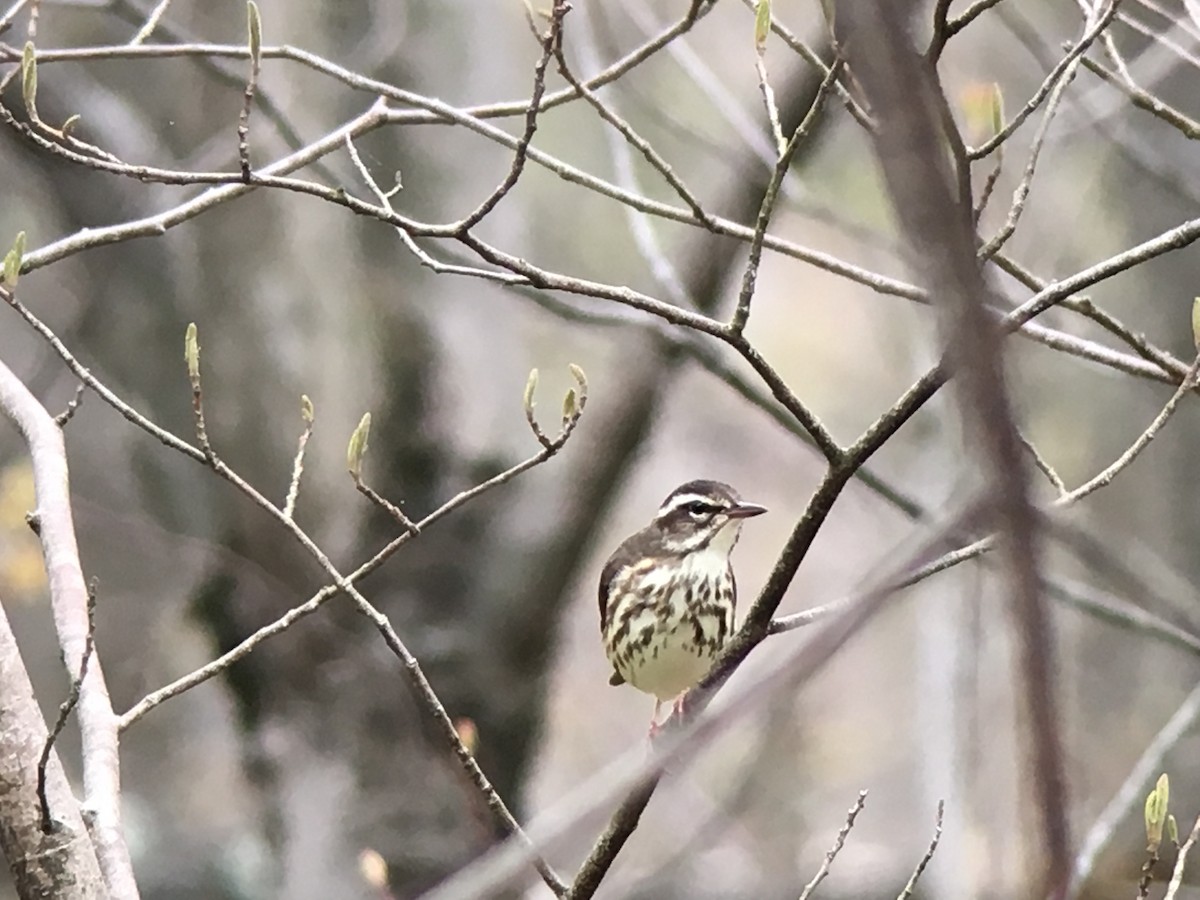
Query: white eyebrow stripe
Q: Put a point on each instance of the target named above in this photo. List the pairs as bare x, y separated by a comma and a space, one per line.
683, 500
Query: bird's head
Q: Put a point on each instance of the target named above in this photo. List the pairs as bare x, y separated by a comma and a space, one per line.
703, 515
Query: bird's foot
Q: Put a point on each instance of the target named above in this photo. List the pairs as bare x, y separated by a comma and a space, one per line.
678, 707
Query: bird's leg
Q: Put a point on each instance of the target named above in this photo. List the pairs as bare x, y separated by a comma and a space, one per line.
677, 708
671, 721
655, 728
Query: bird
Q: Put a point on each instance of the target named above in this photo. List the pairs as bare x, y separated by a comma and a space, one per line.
668, 595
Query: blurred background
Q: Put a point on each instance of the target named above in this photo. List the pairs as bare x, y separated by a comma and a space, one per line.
272, 781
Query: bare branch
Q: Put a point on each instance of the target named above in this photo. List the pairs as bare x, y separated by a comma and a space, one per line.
293, 492
838, 843
933, 845
59, 864
69, 602
741, 315
1133, 788
1181, 861
72, 405
1077, 50
64, 711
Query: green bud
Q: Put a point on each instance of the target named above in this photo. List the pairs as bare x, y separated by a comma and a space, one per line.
580, 378
69, 125
1173, 830
1196, 322
254, 22
191, 351
358, 446
997, 109
29, 78
1156, 813
530, 387
570, 406
12, 260
762, 24
306, 409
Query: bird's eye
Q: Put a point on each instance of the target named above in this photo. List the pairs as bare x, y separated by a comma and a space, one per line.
700, 510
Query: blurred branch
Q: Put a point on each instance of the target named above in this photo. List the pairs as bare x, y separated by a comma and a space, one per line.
937, 220
1144, 100
69, 604
152, 21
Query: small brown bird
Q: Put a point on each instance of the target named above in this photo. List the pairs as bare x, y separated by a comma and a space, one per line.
668, 596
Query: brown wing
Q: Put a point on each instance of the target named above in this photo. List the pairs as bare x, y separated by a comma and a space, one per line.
615, 563
619, 560
634, 548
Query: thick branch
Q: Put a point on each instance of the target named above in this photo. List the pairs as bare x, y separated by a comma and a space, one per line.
69, 602
61, 863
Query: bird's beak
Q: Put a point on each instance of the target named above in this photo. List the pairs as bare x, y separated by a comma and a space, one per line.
745, 511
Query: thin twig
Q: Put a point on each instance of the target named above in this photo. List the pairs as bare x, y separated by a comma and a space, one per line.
833, 851
1021, 192
609, 115
1147, 873
1134, 450
65, 709
150, 24
72, 405
1181, 861
741, 314
549, 40
1133, 788
11, 14
933, 844
1144, 100
1076, 51
293, 491
427, 699
768, 95
989, 185
1043, 465
383, 503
